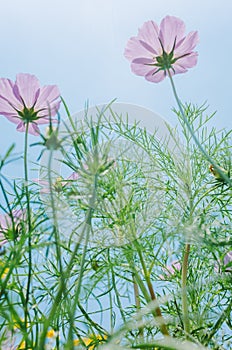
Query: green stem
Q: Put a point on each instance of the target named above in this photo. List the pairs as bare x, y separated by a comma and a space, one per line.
207, 156
137, 300
158, 312
219, 322
88, 225
57, 298
55, 232
184, 289
114, 285
54, 217
68, 113
26, 309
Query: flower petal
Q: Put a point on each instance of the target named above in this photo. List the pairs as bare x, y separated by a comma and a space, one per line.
32, 128
187, 45
135, 49
27, 87
148, 33
172, 30
188, 61
7, 94
48, 101
6, 108
13, 118
74, 176
3, 223
155, 76
140, 66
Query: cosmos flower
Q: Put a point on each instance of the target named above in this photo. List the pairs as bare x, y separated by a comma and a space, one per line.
25, 101
6, 225
228, 261
224, 264
58, 185
171, 270
155, 51
91, 342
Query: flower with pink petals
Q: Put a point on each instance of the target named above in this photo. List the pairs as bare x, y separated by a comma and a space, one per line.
228, 261
171, 270
6, 225
159, 51
26, 102
58, 185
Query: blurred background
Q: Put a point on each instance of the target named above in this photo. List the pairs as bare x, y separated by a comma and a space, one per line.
79, 45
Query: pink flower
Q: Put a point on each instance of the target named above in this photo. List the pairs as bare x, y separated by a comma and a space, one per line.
225, 264
6, 225
157, 50
25, 101
73, 177
171, 270
228, 262
58, 185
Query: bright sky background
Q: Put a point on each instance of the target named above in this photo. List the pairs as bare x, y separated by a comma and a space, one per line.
79, 44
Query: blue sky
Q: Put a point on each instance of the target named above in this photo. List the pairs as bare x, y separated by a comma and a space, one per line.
79, 44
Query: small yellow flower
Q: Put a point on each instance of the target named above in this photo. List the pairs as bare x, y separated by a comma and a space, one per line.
93, 340
4, 271
51, 333
20, 324
22, 346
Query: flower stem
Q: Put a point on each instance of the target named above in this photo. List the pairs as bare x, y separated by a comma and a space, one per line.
184, 289
54, 216
137, 300
157, 310
207, 156
29, 229
87, 230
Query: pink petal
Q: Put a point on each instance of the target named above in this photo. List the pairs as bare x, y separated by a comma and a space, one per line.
135, 49
140, 66
32, 128
155, 76
3, 223
13, 118
74, 176
178, 69
148, 47
50, 111
41, 119
3, 241
7, 95
6, 108
228, 258
41, 182
48, 95
48, 102
188, 61
187, 45
148, 33
172, 30
27, 87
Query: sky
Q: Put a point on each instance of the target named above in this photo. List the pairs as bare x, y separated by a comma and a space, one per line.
79, 45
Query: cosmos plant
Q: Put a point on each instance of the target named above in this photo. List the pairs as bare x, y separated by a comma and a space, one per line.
158, 276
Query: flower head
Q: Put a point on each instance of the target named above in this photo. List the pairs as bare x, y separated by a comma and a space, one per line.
224, 264
90, 342
58, 185
9, 229
158, 51
26, 102
228, 261
171, 270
